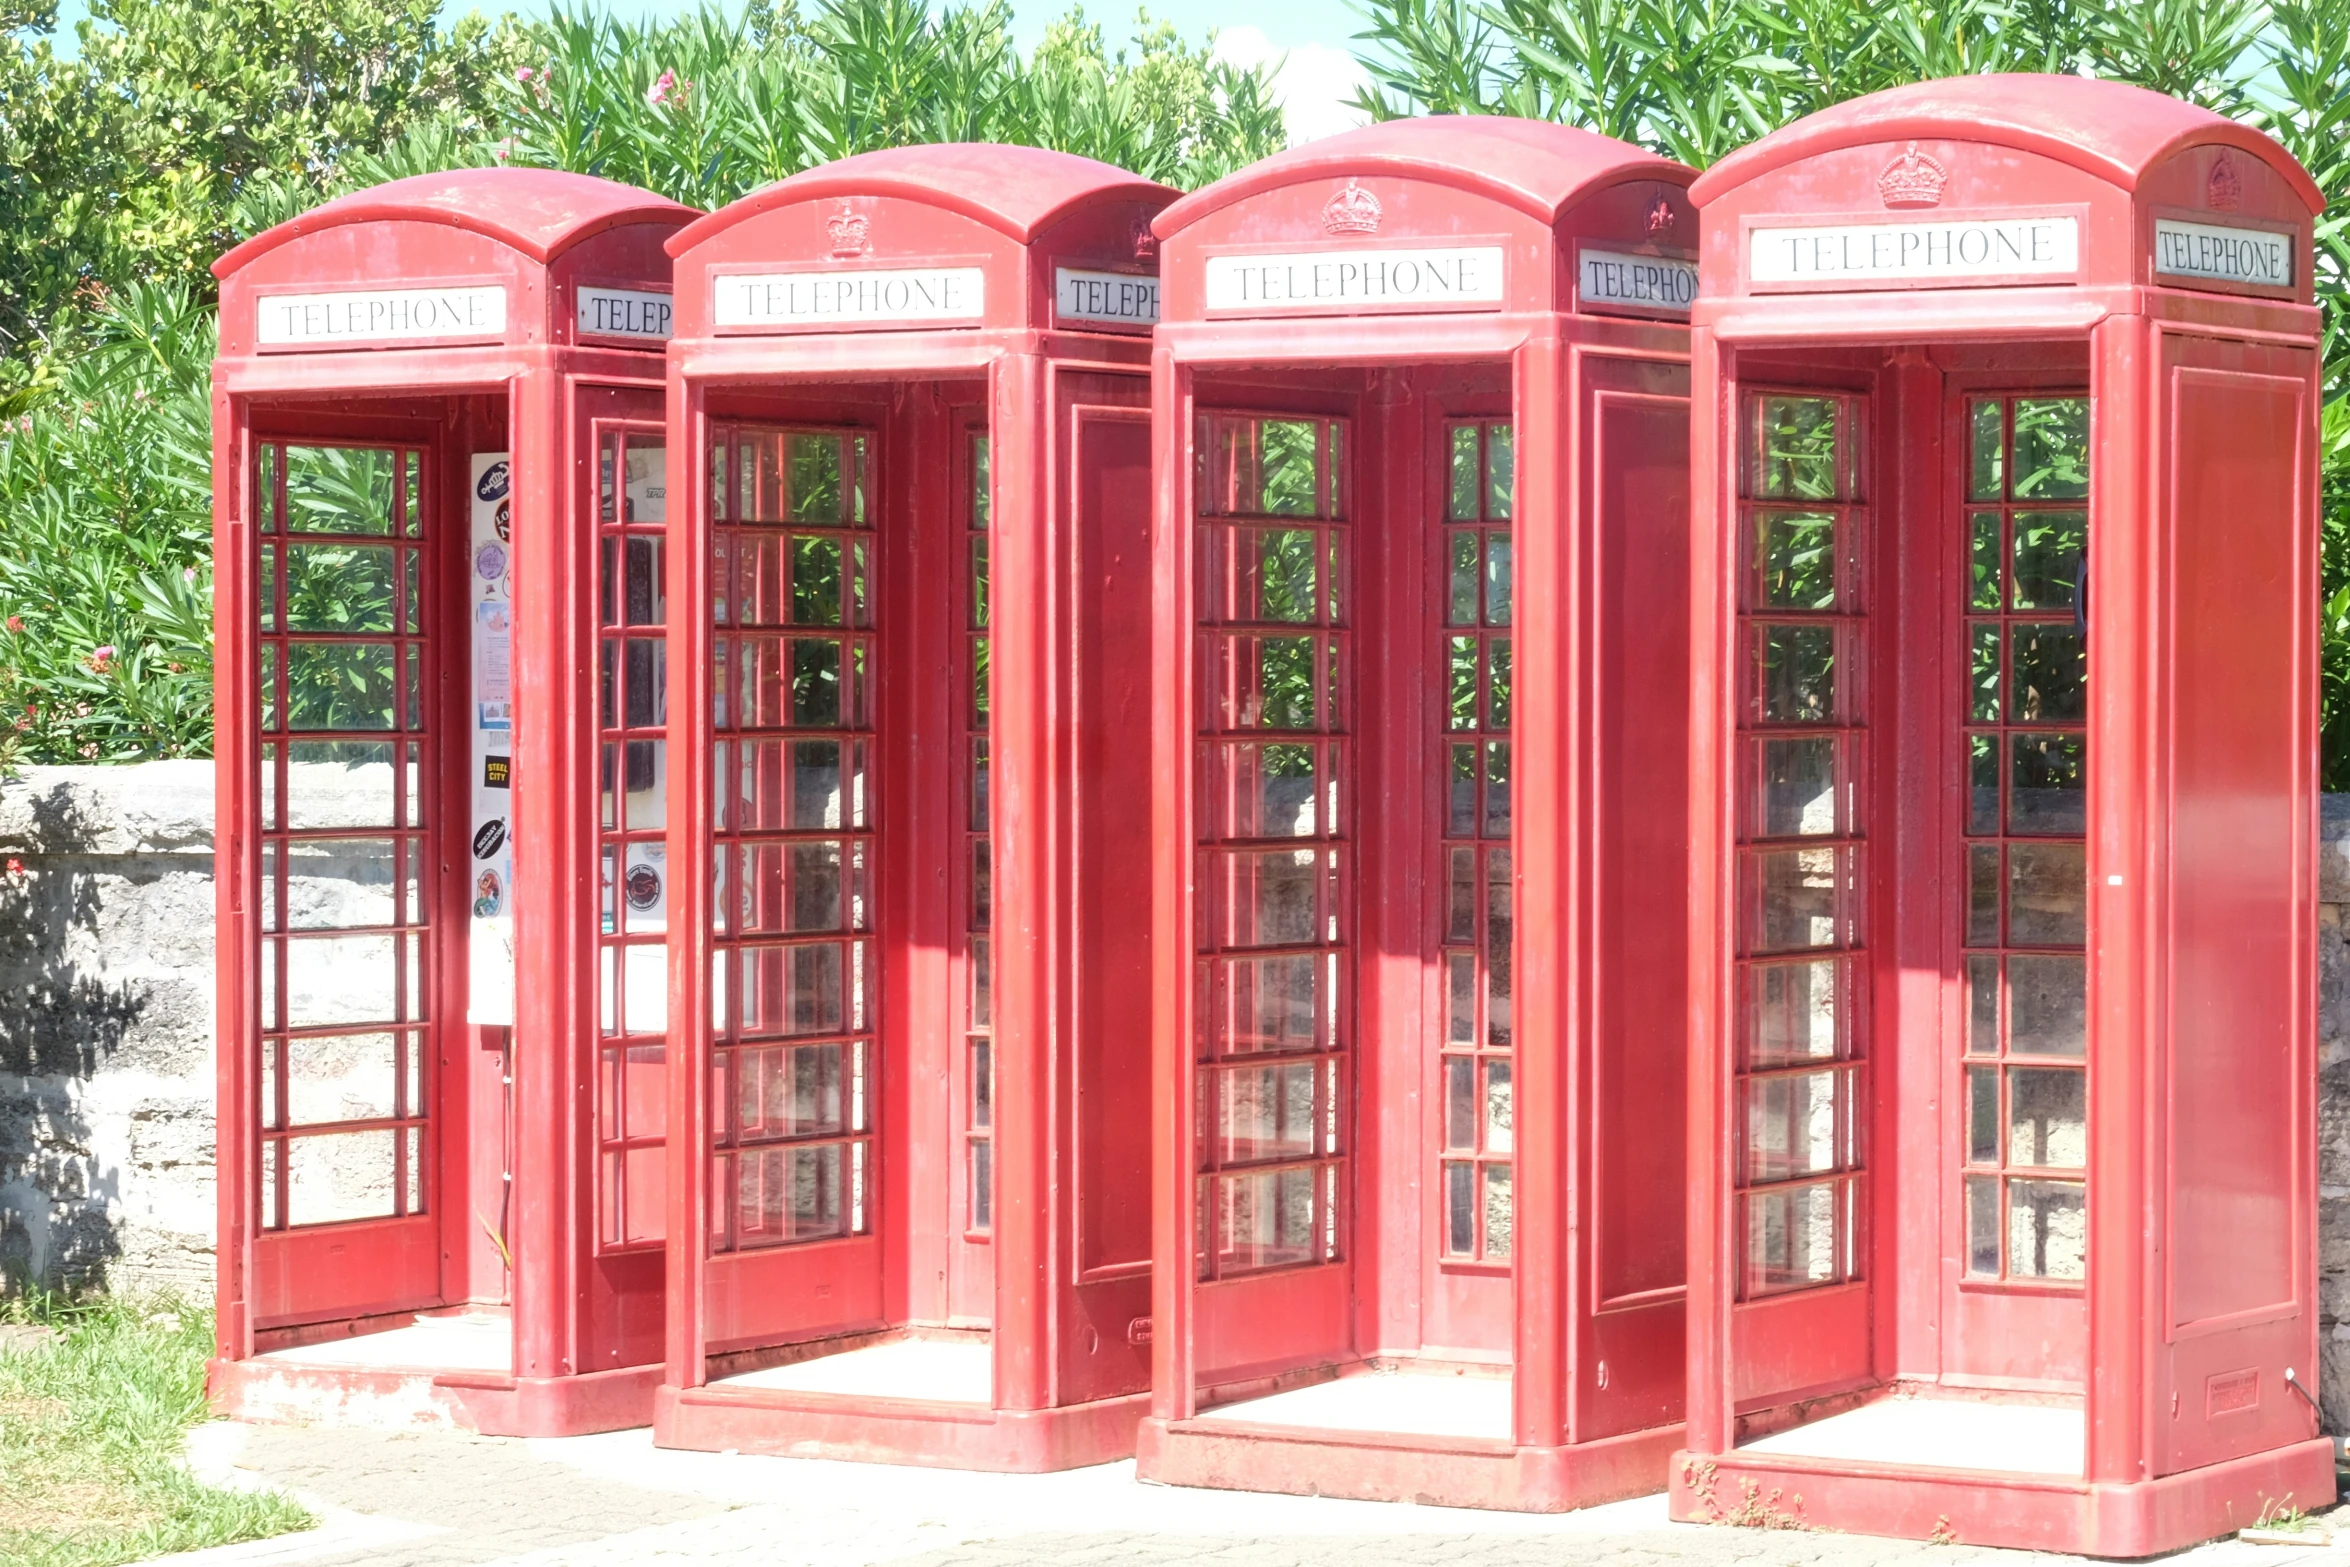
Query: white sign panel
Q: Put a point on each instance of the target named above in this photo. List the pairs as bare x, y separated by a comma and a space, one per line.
1958, 250
624, 312
1335, 279
868, 296
1654, 283
489, 589
2224, 255
391, 315
1111, 298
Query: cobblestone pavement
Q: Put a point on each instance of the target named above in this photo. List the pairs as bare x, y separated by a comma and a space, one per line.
442, 1499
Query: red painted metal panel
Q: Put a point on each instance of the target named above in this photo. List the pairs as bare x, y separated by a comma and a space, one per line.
347, 347
1004, 514
2034, 1153
2236, 1109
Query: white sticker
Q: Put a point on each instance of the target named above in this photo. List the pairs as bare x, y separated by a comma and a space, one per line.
490, 845
1662, 284
1336, 279
1111, 298
624, 312
866, 296
1961, 250
391, 315
2223, 255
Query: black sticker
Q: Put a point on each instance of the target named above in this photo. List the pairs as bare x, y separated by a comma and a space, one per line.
494, 481
644, 887
497, 772
489, 838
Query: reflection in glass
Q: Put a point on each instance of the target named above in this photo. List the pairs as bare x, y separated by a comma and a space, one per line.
1798, 451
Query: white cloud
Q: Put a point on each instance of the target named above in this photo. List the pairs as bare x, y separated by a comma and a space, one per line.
1312, 82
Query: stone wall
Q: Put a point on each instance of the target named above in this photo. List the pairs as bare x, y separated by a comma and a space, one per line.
106, 1024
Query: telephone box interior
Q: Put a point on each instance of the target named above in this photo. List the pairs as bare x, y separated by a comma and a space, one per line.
1423, 465
2003, 1068
439, 480
914, 391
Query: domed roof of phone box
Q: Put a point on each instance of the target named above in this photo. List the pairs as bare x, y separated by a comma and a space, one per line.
1539, 168
1018, 191
539, 212
2112, 130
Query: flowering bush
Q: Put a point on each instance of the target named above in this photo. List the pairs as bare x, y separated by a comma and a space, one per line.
106, 540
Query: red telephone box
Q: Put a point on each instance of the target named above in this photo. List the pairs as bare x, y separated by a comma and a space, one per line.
2003, 1218
438, 490
911, 404
1417, 902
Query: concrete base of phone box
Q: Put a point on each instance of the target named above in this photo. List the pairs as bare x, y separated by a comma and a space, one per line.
1976, 1507
276, 1391
1375, 1466
790, 1423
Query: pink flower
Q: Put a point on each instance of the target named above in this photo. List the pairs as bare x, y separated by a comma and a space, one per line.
522, 73
662, 88
102, 658
15, 868
16, 625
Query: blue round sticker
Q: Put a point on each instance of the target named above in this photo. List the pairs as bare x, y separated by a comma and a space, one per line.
494, 480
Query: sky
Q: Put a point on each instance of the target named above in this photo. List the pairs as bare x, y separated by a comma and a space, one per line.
1316, 75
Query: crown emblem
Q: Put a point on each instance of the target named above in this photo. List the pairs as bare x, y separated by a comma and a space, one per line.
1146, 244
1660, 216
2225, 189
1353, 210
847, 228
1912, 180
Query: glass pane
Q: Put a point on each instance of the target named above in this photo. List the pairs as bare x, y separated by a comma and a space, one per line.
1256, 1005
1461, 602
2049, 679
1285, 561
1264, 1113
2047, 1230
1797, 454
1799, 674
1982, 988
1461, 659
340, 783
2048, 1005
815, 683
341, 685
1987, 471
1984, 527
815, 477
1497, 789
338, 489
2048, 791
1265, 682
2048, 1124
1460, 990
1499, 1123
2049, 546
1497, 688
1498, 1214
1288, 472
345, 883
1460, 1103
1500, 895
815, 580
1791, 1125
982, 1183
340, 588
1792, 1011
2051, 448
340, 1176
1461, 807
1798, 550
1265, 1219
1982, 1226
342, 1077
1461, 902
1798, 786
1797, 899
1791, 1238
1460, 1208
1462, 507
1266, 898
1982, 810
1982, 904
1984, 678
1982, 1115
2047, 897
1500, 575
1500, 470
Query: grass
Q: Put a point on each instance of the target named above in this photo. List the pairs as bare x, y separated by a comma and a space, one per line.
91, 1427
